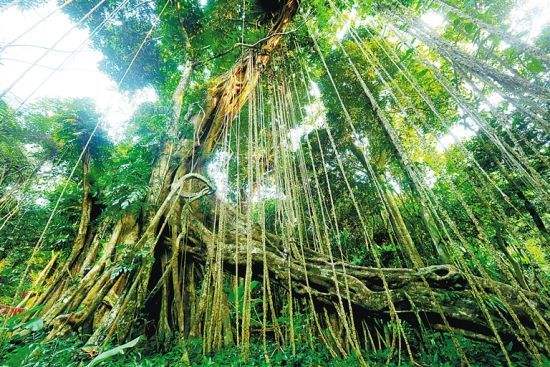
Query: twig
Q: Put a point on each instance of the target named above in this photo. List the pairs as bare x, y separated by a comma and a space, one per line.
239, 44
265, 39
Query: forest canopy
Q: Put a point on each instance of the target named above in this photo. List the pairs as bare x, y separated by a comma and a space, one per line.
336, 182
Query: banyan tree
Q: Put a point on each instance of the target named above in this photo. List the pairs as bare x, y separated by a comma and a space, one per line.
343, 175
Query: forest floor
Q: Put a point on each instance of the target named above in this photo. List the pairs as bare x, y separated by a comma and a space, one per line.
437, 350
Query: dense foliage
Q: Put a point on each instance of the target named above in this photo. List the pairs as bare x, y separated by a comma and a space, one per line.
401, 164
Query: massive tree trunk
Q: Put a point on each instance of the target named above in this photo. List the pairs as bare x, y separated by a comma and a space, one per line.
110, 294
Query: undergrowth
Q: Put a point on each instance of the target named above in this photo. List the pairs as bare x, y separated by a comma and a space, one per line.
439, 350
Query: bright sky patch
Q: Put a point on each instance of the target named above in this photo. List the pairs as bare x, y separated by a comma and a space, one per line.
79, 75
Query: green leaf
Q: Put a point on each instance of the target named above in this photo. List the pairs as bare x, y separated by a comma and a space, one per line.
535, 66
422, 72
114, 351
470, 28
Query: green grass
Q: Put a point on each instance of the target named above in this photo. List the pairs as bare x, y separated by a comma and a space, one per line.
438, 351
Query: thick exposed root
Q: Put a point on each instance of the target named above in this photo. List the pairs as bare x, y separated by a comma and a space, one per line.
432, 293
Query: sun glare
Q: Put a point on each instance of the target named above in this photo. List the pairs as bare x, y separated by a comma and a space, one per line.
434, 20
350, 19
78, 75
529, 18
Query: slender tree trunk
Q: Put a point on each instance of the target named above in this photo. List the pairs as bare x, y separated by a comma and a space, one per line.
527, 203
395, 215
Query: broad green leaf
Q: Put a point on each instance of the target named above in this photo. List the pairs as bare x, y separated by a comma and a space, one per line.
114, 351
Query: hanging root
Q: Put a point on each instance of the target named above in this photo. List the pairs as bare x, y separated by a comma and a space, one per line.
447, 285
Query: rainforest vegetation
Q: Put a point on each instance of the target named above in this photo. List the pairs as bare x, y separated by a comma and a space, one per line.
320, 182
